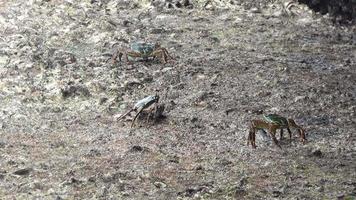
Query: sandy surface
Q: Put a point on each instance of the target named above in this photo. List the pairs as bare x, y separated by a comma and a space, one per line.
60, 98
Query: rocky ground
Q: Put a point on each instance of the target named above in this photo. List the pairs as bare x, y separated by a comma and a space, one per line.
234, 61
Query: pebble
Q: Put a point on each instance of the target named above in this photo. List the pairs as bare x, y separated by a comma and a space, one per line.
2, 144
3, 60
23, 172
276, 193
255, 10
317, 153
160, 184
137, 148
299, 98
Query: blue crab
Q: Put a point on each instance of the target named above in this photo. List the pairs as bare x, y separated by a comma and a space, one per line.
272, 122
142, 105
143, 50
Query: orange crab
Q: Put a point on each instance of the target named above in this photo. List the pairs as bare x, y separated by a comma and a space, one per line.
272, 122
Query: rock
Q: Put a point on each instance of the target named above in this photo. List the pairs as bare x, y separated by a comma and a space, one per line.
91, 179
243, 181
174, 159
136, 148
342, 10
224, 162
126, 23
132, 84
160, 184
158, 31
3, 60
93, 153
103, 100
317, 153
320, 188
75, 90
240, 193
276, 193
192, 191
255, 10
58, 198
2, 144
23, 172
299, 98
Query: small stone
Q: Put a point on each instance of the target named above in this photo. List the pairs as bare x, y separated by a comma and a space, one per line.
243, 181
240, 193
23, 172
57, 109
320, 188
158, 30
186, 3
126, 23
91, 179
299, 98
3, 60
72, 91
74, 180
58, 198
194, 119
136, 148
317, 153
174, 159
225, 162
276, 193
103, 100
2, 144
255, 10
160, 184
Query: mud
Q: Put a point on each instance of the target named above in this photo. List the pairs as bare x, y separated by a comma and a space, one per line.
234, 61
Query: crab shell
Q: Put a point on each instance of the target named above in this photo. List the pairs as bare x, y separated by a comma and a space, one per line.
145, 49
146, 102
275, 119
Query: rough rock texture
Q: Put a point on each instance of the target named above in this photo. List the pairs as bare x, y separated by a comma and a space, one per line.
341, 10
234, 60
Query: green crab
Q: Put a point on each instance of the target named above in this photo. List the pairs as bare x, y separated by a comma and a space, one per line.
272, 122
144, 104
143, 50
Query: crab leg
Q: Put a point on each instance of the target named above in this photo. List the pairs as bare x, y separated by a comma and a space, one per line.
281, 134
272, 132
159, 53
291, 123
166, 52
252, 136
123, 115
115, 55
138, 113
249, 137
290, 134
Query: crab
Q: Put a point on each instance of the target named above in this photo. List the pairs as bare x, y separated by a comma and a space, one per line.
272, 122
143, 105
143, 50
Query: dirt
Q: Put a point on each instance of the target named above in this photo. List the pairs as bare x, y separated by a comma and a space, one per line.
233, 61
